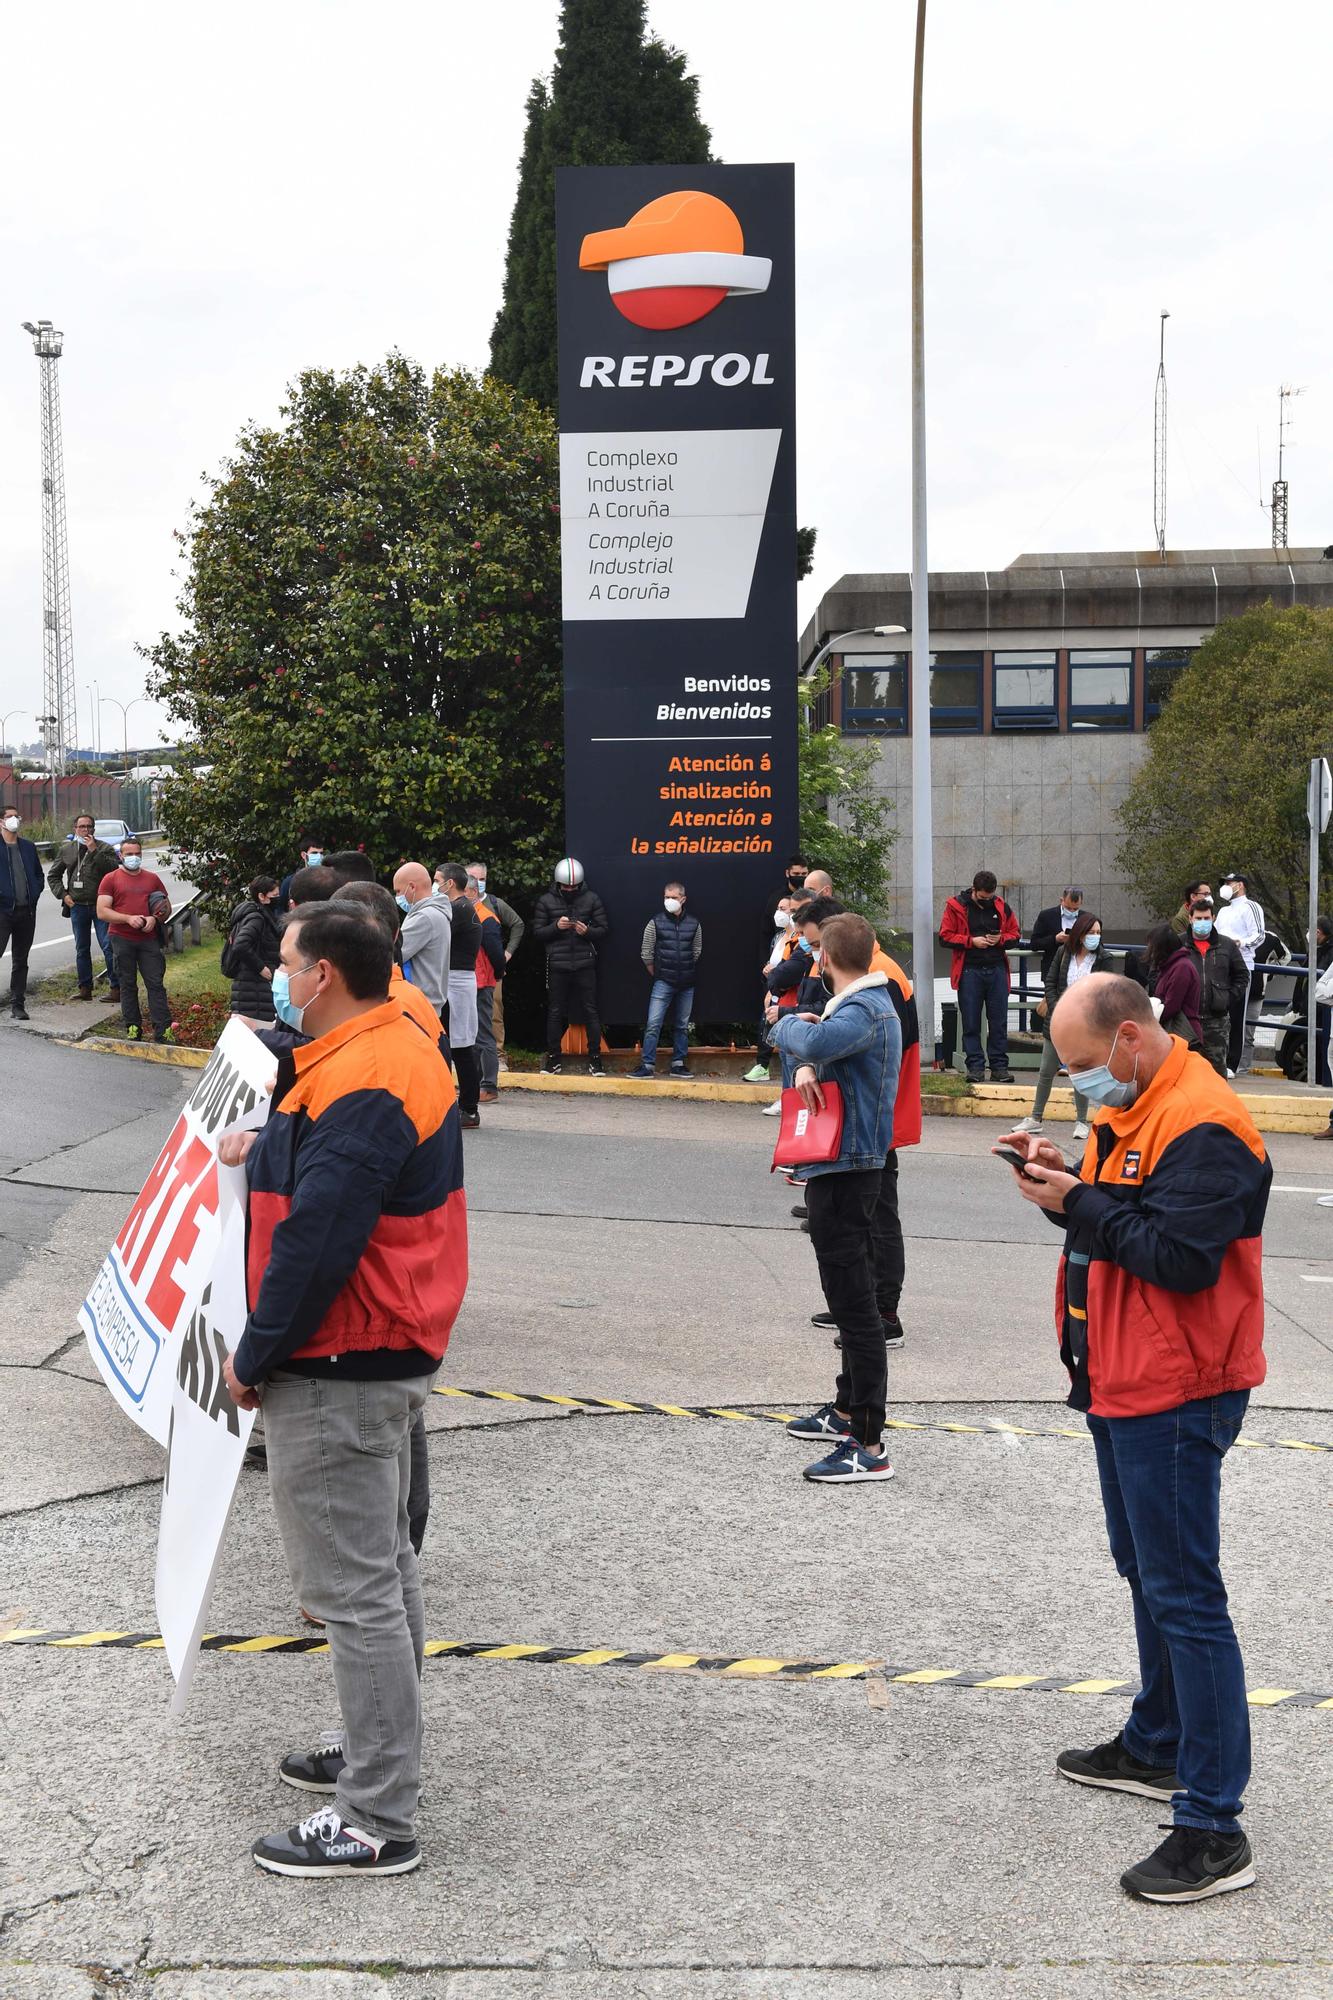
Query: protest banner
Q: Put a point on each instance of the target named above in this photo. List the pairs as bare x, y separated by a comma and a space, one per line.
164, 1311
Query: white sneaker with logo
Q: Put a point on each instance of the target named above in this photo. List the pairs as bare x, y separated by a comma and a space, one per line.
323, 1845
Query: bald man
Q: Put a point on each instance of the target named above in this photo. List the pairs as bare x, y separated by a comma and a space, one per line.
818, 883
1160, 1307
425, 933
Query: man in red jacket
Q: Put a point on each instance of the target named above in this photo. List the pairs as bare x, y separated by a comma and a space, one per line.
356, 1261
1160, 1308
977, 925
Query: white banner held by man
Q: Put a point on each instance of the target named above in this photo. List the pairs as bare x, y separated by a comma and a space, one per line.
164, 1310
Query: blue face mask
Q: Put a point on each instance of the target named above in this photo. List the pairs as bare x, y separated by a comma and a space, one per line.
804, 944
1103, 1086
284, 1007
402, 902
1201, 926
314, 858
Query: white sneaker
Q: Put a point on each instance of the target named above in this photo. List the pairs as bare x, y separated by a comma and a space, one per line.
1081, 1130
773, 1110
1028, 1125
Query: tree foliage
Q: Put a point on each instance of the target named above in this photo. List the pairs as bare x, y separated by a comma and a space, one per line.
844, 819
1223, 785
617, 97
370, 647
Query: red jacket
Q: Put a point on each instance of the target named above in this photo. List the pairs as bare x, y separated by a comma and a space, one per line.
955, 933
1159, 1299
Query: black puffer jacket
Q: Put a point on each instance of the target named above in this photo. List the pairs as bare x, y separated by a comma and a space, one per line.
255, 939
566, 950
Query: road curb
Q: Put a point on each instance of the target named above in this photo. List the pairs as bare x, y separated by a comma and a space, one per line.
1295, 1115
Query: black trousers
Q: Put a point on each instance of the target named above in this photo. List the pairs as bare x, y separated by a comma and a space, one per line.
16, 931
890, 1255
572, 996
1236, 1039
842, 1210
135, 955
468, 1064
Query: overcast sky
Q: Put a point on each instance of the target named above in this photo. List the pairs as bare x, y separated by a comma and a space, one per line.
209, 199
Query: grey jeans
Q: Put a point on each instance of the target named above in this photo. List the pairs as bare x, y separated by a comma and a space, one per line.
486, 1043
339, 1464
1046, 1075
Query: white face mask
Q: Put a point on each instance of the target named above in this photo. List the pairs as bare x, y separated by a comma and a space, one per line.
131, 861
674, 906
782, 920
11, 823
1226, 892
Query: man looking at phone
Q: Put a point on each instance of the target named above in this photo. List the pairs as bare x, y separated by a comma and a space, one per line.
857, 1045
1159, 1303
977, 925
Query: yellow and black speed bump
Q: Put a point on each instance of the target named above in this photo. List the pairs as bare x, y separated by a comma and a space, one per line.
728, 1666
758, 1416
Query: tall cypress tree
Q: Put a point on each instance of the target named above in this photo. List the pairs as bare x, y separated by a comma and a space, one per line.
618, 97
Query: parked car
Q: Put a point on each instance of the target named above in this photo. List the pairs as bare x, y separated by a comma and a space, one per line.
112, 831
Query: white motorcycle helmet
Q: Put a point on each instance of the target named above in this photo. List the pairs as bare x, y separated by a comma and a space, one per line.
569, 873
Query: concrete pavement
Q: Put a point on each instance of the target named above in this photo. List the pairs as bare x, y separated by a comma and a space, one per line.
608, 1830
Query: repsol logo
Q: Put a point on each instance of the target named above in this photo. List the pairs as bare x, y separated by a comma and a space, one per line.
654, 371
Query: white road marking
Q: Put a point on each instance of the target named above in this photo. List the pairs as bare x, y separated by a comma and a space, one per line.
1317, 1277
1300, 1190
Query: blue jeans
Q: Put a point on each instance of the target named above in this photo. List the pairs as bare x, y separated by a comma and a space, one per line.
660, 1003
83, 921
985, 988
1161, 1480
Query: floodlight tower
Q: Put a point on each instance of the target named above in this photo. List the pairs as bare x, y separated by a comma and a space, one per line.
57, 630
1159, 443
1284, 396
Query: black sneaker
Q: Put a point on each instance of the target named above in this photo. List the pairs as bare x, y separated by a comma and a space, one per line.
19, 1011
553, 1069
322, 1845
1112, 1767
679, 1069
1001, 1076
801, 1212
1192, 1864
595, 1066
315, 1770
470, 1120
893, 1328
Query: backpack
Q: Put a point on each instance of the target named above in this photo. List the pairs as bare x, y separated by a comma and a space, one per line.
228, 963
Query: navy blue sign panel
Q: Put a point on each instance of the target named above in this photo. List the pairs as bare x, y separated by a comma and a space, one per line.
678, 551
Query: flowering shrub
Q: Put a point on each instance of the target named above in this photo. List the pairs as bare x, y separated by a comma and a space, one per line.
199, 1022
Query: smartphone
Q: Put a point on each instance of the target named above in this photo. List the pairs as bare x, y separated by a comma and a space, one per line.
1015, 1159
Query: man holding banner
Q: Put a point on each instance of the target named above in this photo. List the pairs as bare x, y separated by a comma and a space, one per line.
356, 1267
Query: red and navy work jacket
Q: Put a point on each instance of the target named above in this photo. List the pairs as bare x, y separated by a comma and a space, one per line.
357, 1238
1159, 1299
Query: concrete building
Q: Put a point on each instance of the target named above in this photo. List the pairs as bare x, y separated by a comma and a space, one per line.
1045, 678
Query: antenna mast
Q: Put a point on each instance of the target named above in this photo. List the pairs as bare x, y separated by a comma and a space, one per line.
1284, 396
58, 721
1159, 443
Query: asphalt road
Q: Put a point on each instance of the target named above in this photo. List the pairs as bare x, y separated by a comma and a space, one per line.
606, 1832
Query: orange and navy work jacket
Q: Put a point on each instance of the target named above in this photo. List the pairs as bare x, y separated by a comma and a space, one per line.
357, 1234
907, 1103
1159, 1299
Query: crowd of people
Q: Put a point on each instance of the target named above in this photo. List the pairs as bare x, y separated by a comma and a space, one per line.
357, 1254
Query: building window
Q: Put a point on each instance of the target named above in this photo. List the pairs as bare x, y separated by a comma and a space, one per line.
1163, 666
955, 693
1101, 688
874, 694
1024, 691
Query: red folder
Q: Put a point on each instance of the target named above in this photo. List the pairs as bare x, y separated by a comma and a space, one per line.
809, 1138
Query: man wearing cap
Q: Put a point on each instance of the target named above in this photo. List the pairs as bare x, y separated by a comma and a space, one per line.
1055, 924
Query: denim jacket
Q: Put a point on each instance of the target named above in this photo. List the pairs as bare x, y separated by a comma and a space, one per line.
857, 1045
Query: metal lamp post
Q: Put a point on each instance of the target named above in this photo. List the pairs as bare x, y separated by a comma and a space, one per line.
125, 708
923, 831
